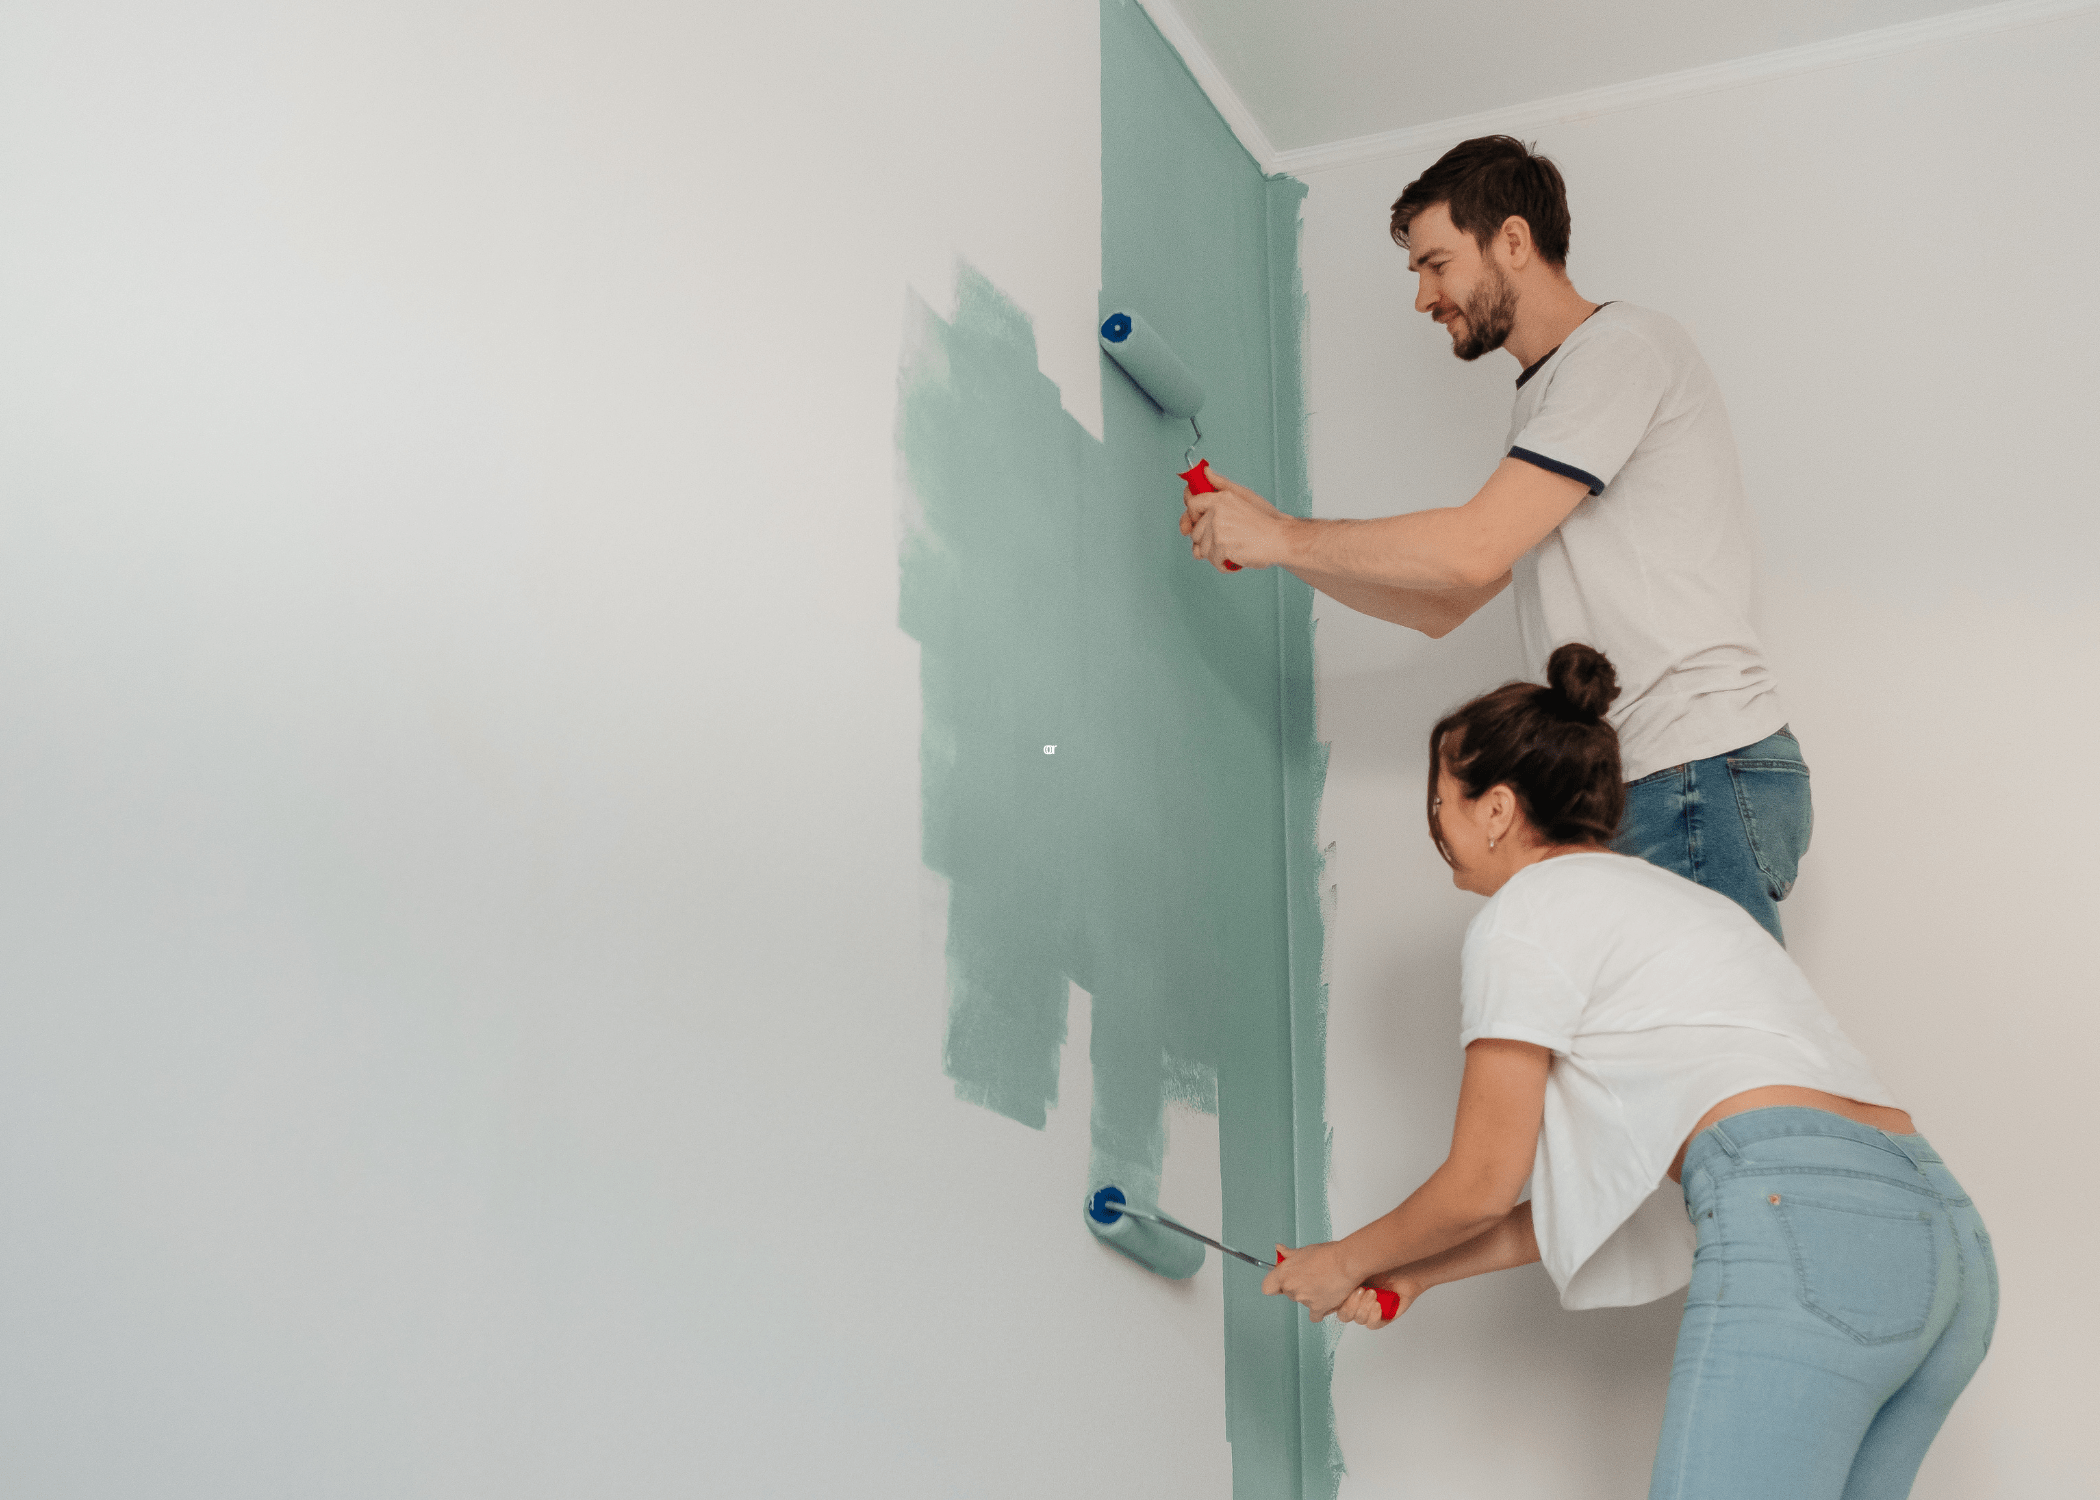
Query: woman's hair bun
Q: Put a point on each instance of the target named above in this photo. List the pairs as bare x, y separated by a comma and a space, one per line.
1550, 745
1583, 676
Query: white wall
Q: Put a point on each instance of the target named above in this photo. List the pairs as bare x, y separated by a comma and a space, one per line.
1888, 266
472, 1005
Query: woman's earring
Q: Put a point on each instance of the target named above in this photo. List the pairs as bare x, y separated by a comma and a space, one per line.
1491, 843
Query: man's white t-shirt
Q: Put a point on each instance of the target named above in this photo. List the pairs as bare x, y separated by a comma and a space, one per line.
1658, 999
1655, 566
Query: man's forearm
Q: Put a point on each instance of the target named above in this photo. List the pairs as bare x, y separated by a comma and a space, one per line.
1434, 612
1429, 550
1509, 1242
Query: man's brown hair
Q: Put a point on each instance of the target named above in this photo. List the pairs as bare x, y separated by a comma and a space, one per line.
1484, 182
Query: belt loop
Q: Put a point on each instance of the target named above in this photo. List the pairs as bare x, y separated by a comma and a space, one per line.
1907, 1149
1726, 1144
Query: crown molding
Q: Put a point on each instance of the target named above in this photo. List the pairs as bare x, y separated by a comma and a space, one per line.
1181, 36
1436, 135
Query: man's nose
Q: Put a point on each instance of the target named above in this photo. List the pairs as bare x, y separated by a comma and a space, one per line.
1424, 298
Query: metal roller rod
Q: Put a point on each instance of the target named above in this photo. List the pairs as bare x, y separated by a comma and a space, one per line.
1164, 1223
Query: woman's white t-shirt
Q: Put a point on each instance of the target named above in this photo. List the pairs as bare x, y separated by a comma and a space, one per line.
1659, 999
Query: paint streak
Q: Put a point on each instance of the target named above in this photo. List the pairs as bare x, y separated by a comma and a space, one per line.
991, 589
1163, 858
1304, 764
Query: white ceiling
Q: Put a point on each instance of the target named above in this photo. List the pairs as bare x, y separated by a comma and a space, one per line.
1318, 71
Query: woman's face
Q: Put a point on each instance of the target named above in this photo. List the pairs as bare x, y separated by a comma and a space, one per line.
1464, 827
1489, 837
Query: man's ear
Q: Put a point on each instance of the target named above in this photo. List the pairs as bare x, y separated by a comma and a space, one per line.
1514, 241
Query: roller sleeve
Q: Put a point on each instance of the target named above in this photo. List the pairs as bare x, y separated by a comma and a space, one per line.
1150, 361
1158, 1250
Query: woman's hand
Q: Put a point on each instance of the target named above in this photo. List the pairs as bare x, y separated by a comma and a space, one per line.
1361, 1305
1233, 523
1317, 1276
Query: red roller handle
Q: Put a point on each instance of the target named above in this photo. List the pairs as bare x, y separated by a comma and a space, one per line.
1388, 1301
1198, 480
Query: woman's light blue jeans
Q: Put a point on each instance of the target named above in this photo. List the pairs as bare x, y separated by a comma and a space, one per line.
1736, 823
1842, 1295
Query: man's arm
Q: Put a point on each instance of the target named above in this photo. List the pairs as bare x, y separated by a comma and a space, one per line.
1434, 612
1462, 548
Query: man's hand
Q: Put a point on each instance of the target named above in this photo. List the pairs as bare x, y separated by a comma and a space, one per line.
1233, 524
1317, 1276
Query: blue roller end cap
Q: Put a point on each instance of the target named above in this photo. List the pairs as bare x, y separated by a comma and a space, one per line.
1115, 330
1104, 1209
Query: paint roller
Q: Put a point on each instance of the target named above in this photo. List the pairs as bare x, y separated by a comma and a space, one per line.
1155, 369
1171, 1249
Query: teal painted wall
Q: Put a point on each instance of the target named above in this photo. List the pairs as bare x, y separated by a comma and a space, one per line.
1163, 857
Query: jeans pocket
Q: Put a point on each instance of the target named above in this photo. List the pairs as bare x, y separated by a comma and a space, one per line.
1653, 826
1779, 814
1869, 1271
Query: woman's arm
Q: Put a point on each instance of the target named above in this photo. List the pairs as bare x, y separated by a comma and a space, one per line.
1509, 1243
1501, 1102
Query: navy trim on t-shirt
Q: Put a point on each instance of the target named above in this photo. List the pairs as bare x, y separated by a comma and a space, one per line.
1533, 368
1555, 466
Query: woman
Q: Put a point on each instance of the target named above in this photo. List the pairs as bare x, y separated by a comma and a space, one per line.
1626, 1030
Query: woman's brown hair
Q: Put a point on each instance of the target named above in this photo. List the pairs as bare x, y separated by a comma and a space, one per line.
1550, 745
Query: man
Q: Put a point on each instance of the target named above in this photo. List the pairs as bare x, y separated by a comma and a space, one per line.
1618, 513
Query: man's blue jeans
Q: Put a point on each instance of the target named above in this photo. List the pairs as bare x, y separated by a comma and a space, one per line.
1736, 823
1843, 1293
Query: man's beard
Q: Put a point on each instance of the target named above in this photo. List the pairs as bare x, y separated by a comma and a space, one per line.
1489, 313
